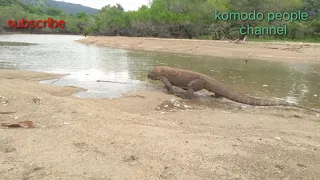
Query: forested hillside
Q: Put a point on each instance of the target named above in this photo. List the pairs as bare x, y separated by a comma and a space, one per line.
65, 6
16, 9
177, 19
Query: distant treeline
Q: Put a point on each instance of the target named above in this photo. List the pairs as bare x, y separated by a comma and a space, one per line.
193, 19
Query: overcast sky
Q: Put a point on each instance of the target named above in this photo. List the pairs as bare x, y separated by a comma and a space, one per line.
126, 4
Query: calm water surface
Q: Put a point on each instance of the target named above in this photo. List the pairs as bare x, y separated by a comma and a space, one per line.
126, 70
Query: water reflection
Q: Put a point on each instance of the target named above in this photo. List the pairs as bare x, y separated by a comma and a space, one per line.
87, 63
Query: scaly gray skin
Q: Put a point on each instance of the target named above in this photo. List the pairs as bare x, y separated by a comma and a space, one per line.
193, 81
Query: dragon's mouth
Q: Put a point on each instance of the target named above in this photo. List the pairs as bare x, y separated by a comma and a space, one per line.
150, 76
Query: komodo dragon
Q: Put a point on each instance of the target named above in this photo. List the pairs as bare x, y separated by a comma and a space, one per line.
193, 81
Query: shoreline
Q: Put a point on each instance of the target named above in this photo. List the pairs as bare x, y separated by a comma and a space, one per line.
271, 51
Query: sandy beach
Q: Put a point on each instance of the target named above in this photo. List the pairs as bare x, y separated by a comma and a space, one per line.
151, 134
271, 51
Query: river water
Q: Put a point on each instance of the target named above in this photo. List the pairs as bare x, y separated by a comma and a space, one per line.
126, 70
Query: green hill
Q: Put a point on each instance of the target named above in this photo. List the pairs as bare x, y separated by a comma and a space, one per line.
41, 9
64, 6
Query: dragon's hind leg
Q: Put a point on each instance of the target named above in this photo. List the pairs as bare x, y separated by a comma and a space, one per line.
194, 86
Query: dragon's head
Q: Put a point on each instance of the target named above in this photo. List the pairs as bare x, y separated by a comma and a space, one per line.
154, 74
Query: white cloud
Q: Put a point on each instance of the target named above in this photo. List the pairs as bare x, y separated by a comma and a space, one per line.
126, 4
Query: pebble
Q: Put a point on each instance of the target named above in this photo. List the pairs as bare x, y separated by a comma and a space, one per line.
279, 138
264, 85
186, 106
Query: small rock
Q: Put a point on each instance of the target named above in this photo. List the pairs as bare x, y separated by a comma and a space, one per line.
264, 85
317, 115
178, 105
279, 138
130, 158
89, 114
16, 117
65, 123
165, 105
36, 100
315, 95
186, 106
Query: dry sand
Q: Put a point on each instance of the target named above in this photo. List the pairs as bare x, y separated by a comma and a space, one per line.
272, 51
128, 138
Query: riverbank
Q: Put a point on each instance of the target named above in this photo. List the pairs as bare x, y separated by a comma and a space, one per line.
135, 137
282, 51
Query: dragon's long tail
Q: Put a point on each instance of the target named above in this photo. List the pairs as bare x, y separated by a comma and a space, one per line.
222, 90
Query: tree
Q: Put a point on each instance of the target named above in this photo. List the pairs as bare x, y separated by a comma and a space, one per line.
53, 12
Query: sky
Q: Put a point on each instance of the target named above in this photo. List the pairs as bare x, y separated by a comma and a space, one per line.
126, 4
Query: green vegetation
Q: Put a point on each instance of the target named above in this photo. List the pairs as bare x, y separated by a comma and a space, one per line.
16, 9
193, 19
65, 6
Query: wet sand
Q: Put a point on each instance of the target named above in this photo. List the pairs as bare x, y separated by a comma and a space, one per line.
272, 51
135, 137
